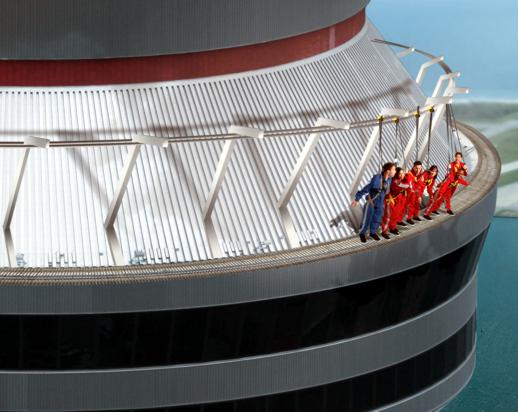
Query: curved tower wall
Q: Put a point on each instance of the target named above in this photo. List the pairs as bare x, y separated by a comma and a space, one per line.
352, 82
58, 43
331, 325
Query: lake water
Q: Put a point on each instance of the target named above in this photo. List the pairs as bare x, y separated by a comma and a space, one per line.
494, 386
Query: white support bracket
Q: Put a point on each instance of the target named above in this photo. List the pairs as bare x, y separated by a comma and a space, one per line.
451, 91
371, 146
32, 142
440, 108
437, 101
217, 181
425, 66
406, 52
391, 112
282, 205
120, 190
450, 77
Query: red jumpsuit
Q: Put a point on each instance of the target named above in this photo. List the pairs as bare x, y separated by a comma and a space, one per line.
403, 205
429, 184
394, 203
414, 193
448, 186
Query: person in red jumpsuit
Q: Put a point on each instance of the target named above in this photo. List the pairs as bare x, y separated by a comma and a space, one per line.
429, 177
455, 176
403, 200
414, 178
394, 203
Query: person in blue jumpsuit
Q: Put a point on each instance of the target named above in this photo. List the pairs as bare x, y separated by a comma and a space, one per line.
374, 194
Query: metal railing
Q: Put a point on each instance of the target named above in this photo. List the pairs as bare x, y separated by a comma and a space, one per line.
437, 102
484, 179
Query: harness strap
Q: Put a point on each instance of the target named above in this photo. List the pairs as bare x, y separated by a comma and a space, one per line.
398, 141
380, 125
417, 115
429, 136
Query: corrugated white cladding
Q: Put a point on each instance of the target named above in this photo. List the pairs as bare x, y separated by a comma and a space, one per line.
65, 194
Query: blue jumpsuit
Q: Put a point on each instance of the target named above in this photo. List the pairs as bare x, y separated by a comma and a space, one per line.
373, 211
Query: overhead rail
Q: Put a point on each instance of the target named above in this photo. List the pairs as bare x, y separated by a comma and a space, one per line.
271, 133
365, 124
409, 50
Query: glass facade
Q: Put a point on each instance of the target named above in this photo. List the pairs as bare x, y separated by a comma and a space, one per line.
65, 342
361, 393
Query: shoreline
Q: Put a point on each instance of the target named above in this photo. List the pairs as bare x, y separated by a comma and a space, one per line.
484, 100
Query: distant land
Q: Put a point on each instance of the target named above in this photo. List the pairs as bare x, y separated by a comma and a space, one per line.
498, 120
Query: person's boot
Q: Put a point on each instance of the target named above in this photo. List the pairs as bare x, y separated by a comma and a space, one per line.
375, 237
417, 218
410, 221
363, 238
450, 212
333, 223
435, 212
394, 232
427, 217
402, 224
385, 235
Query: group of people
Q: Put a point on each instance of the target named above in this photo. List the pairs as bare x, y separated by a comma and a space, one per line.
394, 198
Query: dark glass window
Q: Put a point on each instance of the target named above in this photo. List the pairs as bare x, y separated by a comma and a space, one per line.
50, 342
361, 393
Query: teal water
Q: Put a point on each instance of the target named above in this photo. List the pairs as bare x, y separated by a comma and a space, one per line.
494, 386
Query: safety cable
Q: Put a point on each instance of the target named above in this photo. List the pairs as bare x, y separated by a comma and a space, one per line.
451, 147
455, 129
398, 141
380, 122
417, 115
429, 137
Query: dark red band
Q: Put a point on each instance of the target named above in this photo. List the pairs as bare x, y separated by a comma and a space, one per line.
178, 66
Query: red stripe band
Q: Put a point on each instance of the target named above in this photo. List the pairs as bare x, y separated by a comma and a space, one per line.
178, 66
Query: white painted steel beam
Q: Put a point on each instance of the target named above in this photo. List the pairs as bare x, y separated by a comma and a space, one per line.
434, 101
450, 77
296, 173
33, 142
450, 91
425, 66
120, 190
217, 181
392, 112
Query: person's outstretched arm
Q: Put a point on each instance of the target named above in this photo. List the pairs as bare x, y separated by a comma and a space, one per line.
463, 182
365, 190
